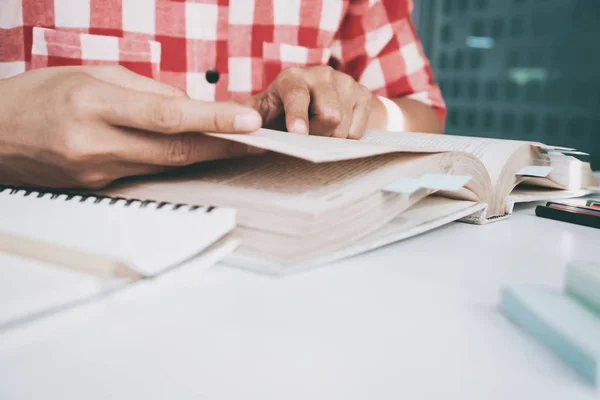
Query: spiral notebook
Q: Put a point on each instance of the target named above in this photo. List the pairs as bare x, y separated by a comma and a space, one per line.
149, 237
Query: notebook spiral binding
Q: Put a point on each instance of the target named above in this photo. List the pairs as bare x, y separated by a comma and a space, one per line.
99, 199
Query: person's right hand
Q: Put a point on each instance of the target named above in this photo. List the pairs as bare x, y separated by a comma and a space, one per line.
88, 126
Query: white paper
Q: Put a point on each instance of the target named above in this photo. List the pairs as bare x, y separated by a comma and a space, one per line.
428, 181
444, 182
146, 238
403, 185
569, 152
535, 170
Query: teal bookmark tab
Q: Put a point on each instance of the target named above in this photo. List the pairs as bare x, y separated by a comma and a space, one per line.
535, 170
403, 185
428, 181
449, 183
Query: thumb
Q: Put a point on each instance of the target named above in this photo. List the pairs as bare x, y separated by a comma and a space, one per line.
127, 79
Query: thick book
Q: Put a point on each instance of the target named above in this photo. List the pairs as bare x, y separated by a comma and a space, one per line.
310, 197
428, 214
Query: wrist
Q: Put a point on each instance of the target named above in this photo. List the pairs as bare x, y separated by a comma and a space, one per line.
404, 114
387, 115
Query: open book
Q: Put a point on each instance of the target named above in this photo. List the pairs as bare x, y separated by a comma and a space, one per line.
310, 197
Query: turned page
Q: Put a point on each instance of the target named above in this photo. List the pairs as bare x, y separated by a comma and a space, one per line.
316, 149
276, 182
319, 149
493, 153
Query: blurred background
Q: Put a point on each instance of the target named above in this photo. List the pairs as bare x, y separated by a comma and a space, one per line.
518, 69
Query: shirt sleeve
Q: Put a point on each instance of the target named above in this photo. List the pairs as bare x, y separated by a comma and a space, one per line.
377, 45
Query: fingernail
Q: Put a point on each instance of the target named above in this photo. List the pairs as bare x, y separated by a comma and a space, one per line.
247, 122
299, 126
355, 130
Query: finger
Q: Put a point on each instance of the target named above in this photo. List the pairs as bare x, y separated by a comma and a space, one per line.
269, 105
141, 147
326, 109
343, 129
118, 75
295, 97
360, 117
170, 115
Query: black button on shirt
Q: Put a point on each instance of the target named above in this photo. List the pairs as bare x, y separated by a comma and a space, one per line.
212, 76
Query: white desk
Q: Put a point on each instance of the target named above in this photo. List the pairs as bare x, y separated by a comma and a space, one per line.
415, 320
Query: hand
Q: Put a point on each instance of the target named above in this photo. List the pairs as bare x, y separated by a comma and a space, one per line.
88, 126
315, 100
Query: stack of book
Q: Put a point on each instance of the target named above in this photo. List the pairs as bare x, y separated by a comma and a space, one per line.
567, 322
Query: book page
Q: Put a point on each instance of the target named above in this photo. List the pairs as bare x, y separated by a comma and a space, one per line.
325, 149
571, 173
493, 153
428, 214
281, 182
317, 149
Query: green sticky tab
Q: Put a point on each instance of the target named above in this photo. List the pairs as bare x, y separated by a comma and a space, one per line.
403, 185
535, 170
444, 182
428, 181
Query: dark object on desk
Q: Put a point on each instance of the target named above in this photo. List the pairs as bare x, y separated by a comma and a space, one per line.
574, 207
569, 214
593, 204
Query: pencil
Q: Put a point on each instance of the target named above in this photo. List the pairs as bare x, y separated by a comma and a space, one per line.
62, 256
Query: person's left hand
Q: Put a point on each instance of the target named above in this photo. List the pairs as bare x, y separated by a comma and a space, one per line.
315, 100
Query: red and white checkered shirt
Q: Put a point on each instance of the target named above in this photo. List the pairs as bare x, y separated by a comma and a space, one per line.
221, 49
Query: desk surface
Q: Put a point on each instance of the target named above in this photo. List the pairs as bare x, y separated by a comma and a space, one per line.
415, 320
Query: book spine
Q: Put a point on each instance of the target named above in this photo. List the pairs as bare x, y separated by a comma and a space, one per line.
582, 281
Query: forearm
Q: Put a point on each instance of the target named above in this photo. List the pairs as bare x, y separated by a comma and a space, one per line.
411, 116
